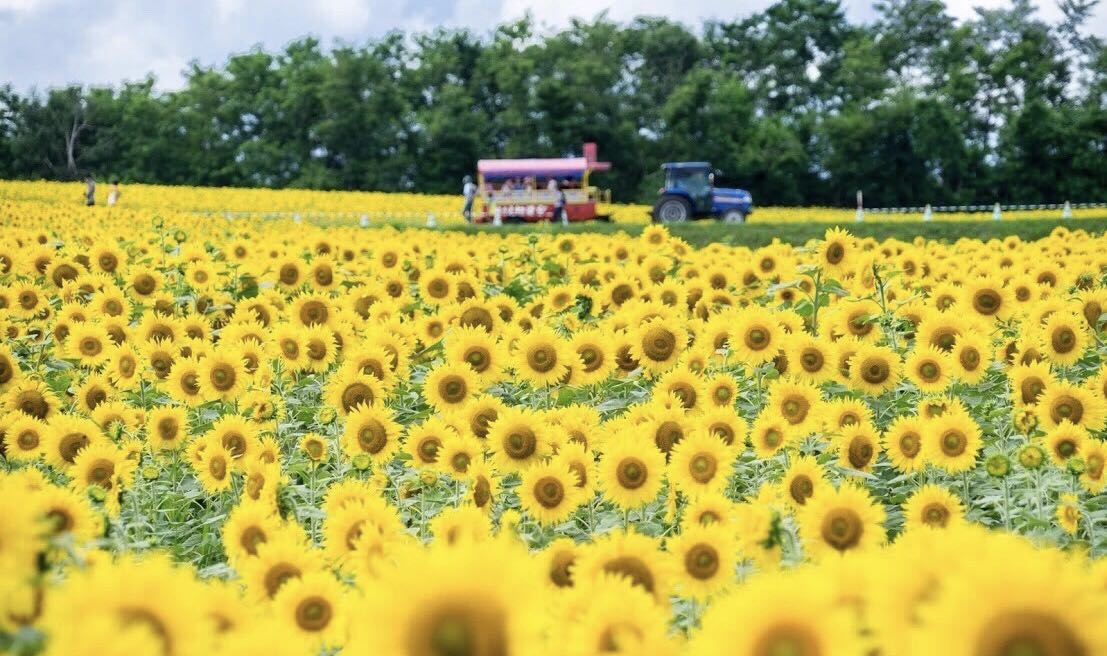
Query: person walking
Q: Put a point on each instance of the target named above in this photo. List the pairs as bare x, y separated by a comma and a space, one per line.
559, 206
90, 190
469, 190
113, 194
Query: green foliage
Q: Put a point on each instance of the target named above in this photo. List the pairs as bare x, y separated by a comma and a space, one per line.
795, 103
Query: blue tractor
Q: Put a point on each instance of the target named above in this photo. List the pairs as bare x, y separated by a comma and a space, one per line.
690, 193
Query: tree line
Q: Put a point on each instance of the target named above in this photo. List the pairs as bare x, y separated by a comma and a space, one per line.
795, 103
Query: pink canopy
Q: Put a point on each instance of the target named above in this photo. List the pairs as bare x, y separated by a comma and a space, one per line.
565, 167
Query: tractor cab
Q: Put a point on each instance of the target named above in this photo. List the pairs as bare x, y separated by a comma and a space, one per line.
690, 193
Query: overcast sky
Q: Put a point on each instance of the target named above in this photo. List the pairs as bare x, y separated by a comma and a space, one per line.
46, 43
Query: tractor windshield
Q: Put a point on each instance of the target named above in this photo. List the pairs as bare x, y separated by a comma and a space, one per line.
693, 181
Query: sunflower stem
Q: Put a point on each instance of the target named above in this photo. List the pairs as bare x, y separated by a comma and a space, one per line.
1006, 506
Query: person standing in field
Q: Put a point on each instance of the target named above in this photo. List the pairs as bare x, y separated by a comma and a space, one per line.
113, 194
90, 190
559, 206
469, 190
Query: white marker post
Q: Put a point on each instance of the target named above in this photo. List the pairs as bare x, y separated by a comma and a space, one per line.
997, 213
860, 207
1066, 211
928, 214
364, 221
431, 223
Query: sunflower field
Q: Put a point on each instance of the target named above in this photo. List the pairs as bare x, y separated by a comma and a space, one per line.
262, 437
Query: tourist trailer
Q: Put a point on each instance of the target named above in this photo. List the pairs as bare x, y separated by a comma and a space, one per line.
518, 190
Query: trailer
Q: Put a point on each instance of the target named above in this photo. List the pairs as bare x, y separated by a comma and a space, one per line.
527, 190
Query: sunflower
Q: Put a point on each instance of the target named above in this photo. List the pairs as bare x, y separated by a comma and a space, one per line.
803, 480
1063, 338
700, 464
458, 452
940, 330
797, 403
837, 252
1092, 478
477, 349
478, 598
549, 493
518, 439
349, 389
631, 471
222, 375
321, 347
32, 398
874, 369
837, 521
657, 343
666, 426
450, 386
703, 558
858, 448
972, 356
281, 558
312, 310
166, 428
810, 358
932, 506
426, 440
929, 368
952, 442
769, 435
903, 443
784, 613
1065, 441
103, 465
69, 512
315, 605
541, 357
631, 556
247, 527
68, 435
756, 336
214, 467
371, 430
724, 423
1028, 382
988, 298
1063, 401
1050, 607
124, 368
25, 437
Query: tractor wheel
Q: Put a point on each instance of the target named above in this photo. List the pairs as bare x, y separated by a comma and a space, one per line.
673, 209
734, 216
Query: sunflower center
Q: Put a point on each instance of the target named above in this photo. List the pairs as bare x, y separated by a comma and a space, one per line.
787, 640
910, 444
460, 462
953, 443
251, 538
1028, 633
478, 359
986, 301
428, 449
1066, 448
842, 529
27, 440
969, 358
701, 562
631, 473
667, 435
313, 312
313, 614
559, 569
801, 489
929, 371
875, 372
542, 359
70, 445
222, 377
289, 274
549, 492
860, 452
217, 467
936, 515
773, 438
34, 404
357, 394
482, 492
812, 361
453, 389
1030, 389
277, 575
521, 444
1067, 407
1063, 340
795, 409
145, 284
757, 339
634, 569
460, 631
835, 253
658, 344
